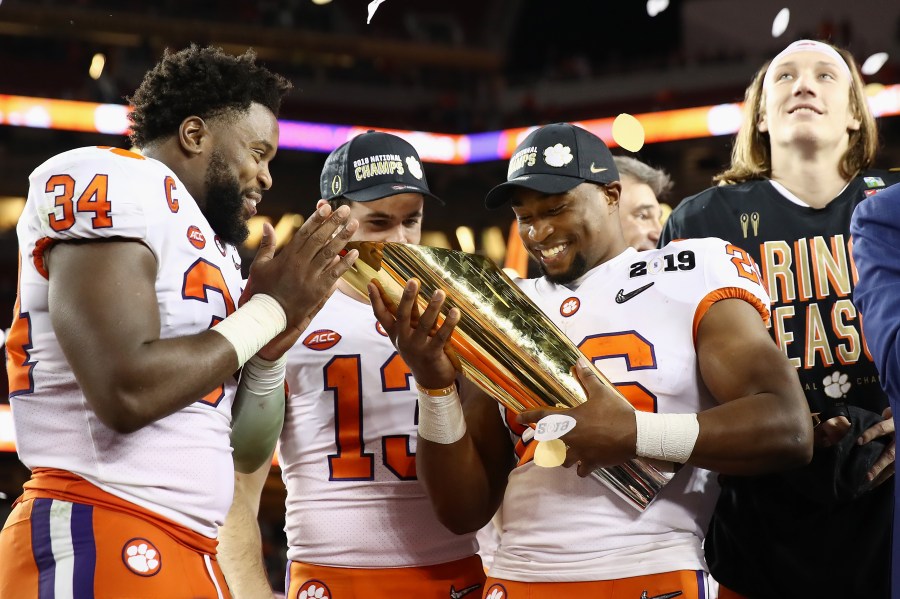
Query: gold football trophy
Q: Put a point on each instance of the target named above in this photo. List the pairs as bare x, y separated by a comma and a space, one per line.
503, 342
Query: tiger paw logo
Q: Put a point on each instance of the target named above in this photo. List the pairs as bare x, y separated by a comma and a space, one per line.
497, 591
414, 167
836, 385
141, 557
558, 156
314, 589
569, 306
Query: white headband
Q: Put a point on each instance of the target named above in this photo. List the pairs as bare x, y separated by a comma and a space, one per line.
808, 46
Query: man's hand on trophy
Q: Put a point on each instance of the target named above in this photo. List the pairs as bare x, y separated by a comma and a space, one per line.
605, 433
417, 337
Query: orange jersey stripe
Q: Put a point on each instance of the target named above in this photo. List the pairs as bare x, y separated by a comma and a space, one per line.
727, 293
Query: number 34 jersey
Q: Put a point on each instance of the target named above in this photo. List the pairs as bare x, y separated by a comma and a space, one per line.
348, 447
179, 466
636, 316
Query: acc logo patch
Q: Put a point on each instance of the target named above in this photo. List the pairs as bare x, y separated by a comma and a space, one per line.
141, 557
569, 306
314, 589
380, 329
196, 237
496, 591
322, 339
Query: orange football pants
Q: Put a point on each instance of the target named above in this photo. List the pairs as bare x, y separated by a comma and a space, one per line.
461, 579
682, 584
52, 546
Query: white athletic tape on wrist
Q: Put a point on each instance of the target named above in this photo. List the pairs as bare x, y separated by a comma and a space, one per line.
669, 437
441, 419
261, 377
253, 325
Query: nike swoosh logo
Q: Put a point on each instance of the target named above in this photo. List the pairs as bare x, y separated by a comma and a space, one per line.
596, 170
454, 594
623, 297
663, 596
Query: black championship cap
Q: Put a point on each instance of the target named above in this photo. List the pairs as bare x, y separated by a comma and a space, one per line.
372, 166
554, 159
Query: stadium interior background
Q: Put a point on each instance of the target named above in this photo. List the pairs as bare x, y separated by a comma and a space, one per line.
466, 66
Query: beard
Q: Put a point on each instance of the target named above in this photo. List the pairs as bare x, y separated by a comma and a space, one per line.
578, 267
224, 206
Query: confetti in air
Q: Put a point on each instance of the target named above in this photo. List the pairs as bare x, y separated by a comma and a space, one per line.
628, 132
550, 454
780, 24
373, 6
654, 7
874, 63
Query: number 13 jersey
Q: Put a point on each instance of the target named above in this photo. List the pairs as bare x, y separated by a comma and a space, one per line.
348, 450
179, 466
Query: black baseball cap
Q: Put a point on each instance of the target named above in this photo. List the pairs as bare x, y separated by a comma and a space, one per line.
554, 159
372, 166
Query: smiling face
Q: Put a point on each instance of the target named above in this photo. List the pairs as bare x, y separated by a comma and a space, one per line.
807, 102
569, 233
639, 214
395, 218
237, 172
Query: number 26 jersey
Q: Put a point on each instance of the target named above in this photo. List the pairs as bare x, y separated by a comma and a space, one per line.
636, 317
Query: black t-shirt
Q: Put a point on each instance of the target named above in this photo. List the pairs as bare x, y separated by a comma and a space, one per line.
783, 535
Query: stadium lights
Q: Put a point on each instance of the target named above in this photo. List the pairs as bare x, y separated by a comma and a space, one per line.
666, 125
10, 211
466, 238
255, 226
437, 239
494, 244
286, 227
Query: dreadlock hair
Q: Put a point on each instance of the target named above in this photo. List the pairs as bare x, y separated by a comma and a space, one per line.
204, 82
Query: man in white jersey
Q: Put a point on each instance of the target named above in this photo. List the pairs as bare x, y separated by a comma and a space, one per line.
679, 330
358, 521
127, 333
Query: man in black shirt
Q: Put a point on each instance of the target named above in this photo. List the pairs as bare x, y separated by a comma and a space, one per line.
800, 165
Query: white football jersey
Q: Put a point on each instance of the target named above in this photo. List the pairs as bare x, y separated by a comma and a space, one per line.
348, 450
636, 317
179, 466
